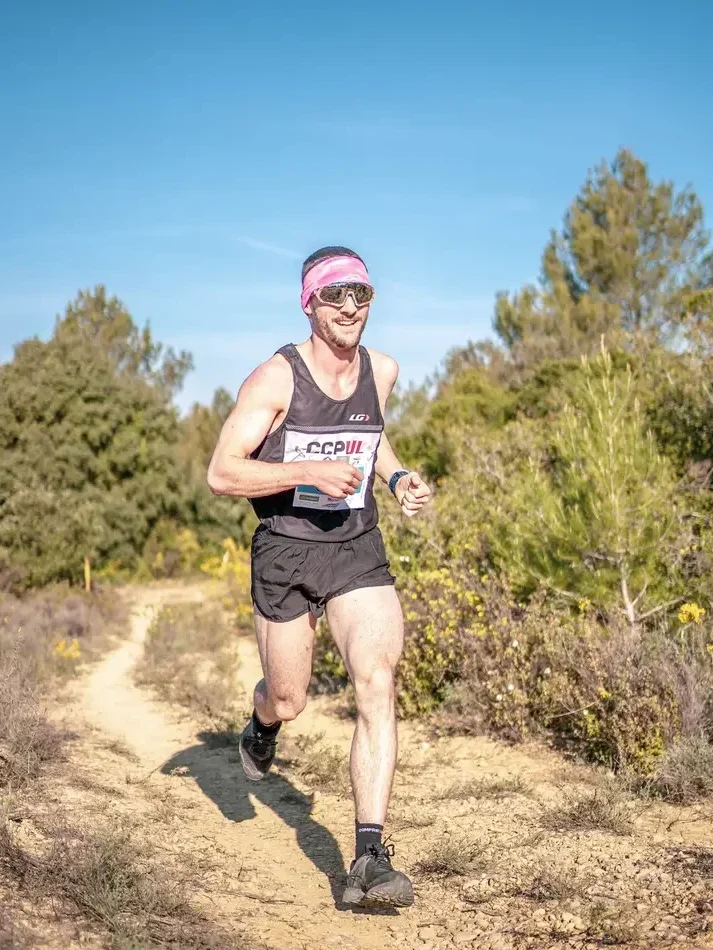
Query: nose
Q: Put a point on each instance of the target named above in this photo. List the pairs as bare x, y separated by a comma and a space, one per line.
349, 308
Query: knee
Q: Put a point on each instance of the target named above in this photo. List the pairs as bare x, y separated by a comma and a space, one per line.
375, 688
288, 705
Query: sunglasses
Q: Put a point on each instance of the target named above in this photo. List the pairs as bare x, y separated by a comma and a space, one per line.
335, 295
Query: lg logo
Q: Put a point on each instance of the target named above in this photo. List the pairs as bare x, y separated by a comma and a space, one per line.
359, 417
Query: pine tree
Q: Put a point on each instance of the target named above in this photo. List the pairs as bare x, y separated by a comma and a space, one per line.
626, 260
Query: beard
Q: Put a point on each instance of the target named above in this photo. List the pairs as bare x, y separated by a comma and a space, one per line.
339, 336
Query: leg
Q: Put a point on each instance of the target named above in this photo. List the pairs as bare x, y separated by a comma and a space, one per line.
367, 627
281, 695
286, 657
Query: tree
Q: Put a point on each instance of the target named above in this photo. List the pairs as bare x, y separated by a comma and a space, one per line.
102, 323
590, 517
88, 439
211, 517
628, 256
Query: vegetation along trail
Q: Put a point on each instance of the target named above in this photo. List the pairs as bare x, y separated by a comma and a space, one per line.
509, 847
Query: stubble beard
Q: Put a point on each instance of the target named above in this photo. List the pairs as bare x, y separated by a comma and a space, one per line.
333, 334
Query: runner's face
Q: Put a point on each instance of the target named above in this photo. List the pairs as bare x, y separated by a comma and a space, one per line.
343, 326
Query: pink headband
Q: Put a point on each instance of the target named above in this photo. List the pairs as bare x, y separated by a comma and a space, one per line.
333, 270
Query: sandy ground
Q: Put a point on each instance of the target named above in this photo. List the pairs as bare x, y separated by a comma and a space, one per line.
272, 855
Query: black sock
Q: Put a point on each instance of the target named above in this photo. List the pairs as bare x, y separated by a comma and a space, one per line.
367, 833
269, 731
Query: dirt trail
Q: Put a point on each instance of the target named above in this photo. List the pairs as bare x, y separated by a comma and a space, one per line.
274, 855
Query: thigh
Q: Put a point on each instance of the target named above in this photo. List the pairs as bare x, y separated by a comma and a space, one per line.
367, 627
286, 652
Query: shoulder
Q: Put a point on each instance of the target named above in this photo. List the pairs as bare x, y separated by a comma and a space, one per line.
270, 381
385, 369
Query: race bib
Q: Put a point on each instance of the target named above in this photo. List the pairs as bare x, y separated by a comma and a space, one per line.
357, 448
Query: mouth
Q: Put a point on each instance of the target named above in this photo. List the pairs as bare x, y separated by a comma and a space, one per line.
347, 322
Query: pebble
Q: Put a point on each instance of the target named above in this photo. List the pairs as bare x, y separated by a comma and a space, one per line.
428, 933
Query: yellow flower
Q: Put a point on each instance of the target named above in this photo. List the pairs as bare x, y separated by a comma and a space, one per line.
67, 651
691, 613
584, 605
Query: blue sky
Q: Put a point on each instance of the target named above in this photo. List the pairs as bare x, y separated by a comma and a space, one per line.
189, 156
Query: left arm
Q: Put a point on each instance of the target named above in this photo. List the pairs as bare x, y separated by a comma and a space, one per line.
411, 492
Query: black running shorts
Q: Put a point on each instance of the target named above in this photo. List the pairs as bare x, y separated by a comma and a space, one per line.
291, 576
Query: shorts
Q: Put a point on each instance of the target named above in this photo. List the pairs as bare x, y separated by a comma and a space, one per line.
291, 576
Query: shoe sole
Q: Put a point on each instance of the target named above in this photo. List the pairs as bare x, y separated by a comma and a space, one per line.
355, 897
252, 773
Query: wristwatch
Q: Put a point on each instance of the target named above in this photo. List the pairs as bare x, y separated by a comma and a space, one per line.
394, 479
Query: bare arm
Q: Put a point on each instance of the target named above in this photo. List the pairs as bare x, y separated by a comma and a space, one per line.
264, 396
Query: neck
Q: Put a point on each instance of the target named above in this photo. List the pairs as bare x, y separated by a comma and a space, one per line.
330, 359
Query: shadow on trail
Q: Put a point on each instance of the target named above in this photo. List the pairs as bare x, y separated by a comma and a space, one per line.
220, 777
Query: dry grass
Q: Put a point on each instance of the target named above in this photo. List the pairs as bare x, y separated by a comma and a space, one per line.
190, 658
119, 748
28, 740
318, 765
695, 861
553, 884
89, 784
685, 773
453, 856
486, 788
115, 884
612, 926
44, 638
603, 809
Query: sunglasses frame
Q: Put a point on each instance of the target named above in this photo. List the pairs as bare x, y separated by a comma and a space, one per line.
331, 303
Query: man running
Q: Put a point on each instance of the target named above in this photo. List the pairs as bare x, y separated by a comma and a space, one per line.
304, 443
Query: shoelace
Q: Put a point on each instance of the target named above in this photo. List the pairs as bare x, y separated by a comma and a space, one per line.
382, 853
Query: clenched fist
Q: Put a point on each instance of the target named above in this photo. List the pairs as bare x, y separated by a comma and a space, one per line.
336, 479
412, 493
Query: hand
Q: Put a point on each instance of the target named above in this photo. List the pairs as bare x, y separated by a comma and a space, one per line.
336, 479
412, 493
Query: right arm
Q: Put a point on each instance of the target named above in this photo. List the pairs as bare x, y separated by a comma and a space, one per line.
265, 395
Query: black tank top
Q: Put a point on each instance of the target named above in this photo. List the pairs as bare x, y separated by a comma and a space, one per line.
318, 427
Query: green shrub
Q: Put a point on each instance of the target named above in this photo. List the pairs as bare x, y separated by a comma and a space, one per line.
329, 674
619, 695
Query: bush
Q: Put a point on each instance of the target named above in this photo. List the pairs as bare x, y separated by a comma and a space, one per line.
233, 568
43, 639
444, 620
684, 774
619, 695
